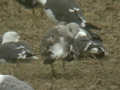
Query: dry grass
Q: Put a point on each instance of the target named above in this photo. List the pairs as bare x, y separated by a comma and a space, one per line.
84, 74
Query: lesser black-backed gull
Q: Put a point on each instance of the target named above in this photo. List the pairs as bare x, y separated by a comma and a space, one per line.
88, 42
12, 48
65, 11
59, 10
9, 82
62, 11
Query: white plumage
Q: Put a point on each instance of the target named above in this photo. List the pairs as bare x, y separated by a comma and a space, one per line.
58, 50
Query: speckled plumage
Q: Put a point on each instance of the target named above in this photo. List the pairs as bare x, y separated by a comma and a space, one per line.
60, 37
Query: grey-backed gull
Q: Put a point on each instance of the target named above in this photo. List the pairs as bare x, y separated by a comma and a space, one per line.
12, 48
56, 43
8, 82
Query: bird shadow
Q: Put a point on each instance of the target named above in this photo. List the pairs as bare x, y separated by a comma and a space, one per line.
15, 61
49, 76
29, 4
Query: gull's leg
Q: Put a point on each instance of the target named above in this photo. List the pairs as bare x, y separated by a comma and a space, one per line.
33, 11
53, 70
63, 65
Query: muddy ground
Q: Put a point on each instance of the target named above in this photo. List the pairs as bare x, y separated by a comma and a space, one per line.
83, 74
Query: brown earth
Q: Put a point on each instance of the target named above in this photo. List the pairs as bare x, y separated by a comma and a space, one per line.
85, 74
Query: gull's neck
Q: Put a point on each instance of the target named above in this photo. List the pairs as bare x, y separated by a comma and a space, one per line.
2, 77
9, 40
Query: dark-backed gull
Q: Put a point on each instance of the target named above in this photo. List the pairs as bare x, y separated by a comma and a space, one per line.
62, 11
65, 11
11, 48
59, 10
8, 82
88, 42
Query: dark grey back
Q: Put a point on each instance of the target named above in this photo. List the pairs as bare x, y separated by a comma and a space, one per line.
8, 51
0, 39
81, 43
61, 8
28, 3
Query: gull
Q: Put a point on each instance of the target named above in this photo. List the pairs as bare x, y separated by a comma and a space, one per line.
56, 44
12, 48
9, 82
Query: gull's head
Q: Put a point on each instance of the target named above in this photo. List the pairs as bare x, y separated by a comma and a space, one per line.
43, 2
10, 36
70, 29
73, 29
